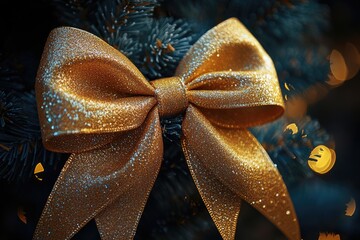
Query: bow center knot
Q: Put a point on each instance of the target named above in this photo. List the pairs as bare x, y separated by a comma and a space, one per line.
170, 94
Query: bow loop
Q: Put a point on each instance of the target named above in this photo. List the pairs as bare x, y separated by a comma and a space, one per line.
231, 79
229, 47
81, 78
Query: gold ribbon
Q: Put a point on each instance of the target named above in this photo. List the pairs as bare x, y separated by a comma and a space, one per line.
93, 102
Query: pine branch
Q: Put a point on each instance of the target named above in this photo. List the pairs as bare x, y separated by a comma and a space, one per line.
120, 23
9, 75
291, 31
9, 109
74, 12
108, 19
20, 139
289, 150
163, 46
318, 203
112, 19
304, 67
284, 20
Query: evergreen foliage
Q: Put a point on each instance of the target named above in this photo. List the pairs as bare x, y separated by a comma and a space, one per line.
166, 42
292, 32
289, 150
20, 139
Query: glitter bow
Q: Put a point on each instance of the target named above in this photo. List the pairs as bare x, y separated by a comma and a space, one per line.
94, 103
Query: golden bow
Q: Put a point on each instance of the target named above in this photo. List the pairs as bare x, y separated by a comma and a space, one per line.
93, 102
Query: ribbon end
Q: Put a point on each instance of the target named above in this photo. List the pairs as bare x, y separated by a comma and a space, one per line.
222, 204
226, 224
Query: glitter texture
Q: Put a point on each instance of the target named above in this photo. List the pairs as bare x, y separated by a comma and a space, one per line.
94, 103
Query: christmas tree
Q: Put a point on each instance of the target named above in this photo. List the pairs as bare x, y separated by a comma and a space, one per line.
299, 36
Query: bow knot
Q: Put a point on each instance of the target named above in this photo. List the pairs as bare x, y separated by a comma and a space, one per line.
95, 103
170, 94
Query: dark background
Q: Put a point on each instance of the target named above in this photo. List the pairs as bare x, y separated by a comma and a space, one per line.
339, 111
24, 26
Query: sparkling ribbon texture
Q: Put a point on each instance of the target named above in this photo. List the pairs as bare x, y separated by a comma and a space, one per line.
94, 103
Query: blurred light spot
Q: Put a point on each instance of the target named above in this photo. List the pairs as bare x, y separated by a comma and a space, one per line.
296, 107
315, 92
38, 169
329, 236
351, 59
350, 208
286, 86
21, 215
292, 127
322, 159
334, 81
338, 65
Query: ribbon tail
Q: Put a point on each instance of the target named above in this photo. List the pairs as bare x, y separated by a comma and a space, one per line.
239, 163
120, 219
97, 182
222, 204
